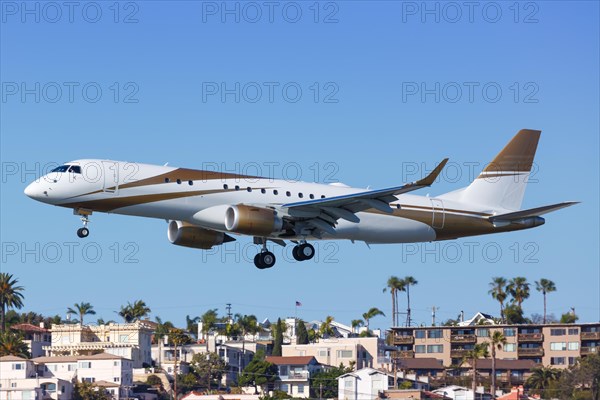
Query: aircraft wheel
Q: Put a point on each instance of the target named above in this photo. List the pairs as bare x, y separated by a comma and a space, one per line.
267, 259
83, 232
258, 261
306, 251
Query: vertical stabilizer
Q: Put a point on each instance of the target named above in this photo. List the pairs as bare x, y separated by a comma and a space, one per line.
501, 185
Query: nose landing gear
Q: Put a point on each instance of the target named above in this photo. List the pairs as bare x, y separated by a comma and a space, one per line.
84, 214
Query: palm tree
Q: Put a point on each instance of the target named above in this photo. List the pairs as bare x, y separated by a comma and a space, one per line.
498, 292
357, 323
248, 324
497, 341
518, 288
372, 313
545, 286
326, 330
209, 319
10, 296
161, 331
395, 285
192, 324
541, 379
479, 350
82, 309
134, 312
407, 282
12, 344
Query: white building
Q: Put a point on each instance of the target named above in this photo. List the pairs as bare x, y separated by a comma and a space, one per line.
20, 381
294, 374
131, 341
462, 393
364, 384
36, 337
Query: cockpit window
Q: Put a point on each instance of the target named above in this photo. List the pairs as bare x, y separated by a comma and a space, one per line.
76, 169
62, 168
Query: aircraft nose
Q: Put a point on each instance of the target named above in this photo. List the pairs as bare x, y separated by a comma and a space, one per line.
34, 191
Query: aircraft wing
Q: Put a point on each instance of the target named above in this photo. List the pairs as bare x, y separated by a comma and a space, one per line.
323, 214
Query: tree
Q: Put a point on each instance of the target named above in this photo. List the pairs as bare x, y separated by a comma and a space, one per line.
372, 313
357, 323
479, 350
497, 342
10, 296
301, 332
581, 380
82, 309
134, 312
88, 391
177, 337
407, 282
569, 318
258, 372
248, 324
514, 314
192, 324
209, 319
12, 344
498, 292
542, 380
208, 367
545, 286
518, 288
394, 285
326, 329
324, 384
278, 329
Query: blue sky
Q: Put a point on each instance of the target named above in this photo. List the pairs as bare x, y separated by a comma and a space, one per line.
369, 93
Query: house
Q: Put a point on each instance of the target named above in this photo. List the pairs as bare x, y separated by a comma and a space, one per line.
462, 393
364, 384
516, 393
130, 341
430, 367
412, 394
36, 337
19, 381
353, 351
295, 373
479, 319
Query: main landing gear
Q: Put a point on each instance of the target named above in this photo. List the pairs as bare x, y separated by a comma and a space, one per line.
84, 214
303, 251
264, 259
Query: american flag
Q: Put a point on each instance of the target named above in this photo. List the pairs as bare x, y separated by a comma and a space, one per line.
298, 304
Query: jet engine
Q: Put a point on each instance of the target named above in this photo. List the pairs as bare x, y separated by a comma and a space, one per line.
188, 235
250, 220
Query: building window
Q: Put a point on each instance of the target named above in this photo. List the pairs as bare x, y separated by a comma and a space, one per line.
482, 332
300, 388
116, 379
71, 367
434, 334
558, 346
573, 346
283, 370
18, 366
573, 331
13, 384
509, 332
572, 360
508, 347
88, 380
435, 348
420, 334
348, 382
558, 332
420, 348
284, 387
85, 364
123, 338
324, 353
344, 353
557, 361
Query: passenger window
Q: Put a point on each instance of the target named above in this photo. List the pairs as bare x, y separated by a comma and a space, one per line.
167, 180
263, 191
225, 186
312, 196
249, 189
179, 181
275, 192
288, 194
190, 183
300, 195
237, 187
322, 196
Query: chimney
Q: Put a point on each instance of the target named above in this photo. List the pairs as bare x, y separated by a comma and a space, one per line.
42, 325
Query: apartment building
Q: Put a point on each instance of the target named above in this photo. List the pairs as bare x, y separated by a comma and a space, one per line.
131, 341
555, 345
361, 352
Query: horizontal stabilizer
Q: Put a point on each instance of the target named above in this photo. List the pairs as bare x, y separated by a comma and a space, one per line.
532, 212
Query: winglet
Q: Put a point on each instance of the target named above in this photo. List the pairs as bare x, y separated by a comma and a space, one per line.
429, 179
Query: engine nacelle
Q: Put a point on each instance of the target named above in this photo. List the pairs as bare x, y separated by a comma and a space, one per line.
252, 220
184, 234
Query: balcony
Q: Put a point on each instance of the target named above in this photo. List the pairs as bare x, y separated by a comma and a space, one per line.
296, 376
463, 338
531, 352
405, 354
590, 350
404, 340
590, 335
458, 353
531, 337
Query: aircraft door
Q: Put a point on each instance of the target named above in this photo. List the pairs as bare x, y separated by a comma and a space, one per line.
438, 216
110, 175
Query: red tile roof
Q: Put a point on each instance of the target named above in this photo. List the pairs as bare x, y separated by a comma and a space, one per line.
290, 360
29, 328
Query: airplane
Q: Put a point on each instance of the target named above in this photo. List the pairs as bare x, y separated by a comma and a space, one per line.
204, 208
